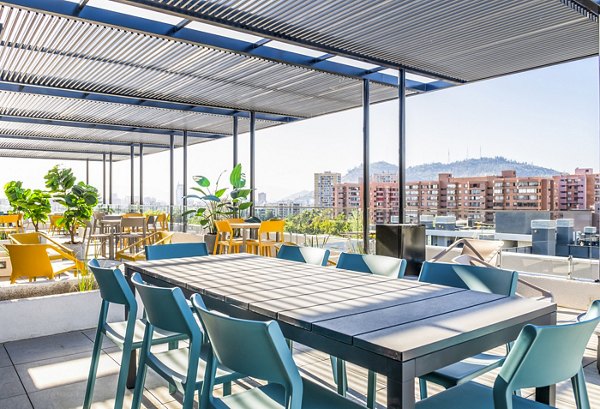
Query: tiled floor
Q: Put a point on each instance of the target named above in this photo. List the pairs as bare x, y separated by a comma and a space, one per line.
51, 372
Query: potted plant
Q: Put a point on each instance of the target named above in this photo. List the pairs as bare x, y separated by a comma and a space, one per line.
79, 199
217, 203
34, 204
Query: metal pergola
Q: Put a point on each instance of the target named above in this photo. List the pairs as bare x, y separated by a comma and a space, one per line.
80, 74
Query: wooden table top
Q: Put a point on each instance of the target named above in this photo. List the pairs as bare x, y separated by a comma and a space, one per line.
399, 319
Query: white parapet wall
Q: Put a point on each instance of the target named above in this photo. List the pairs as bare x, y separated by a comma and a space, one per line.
25, 318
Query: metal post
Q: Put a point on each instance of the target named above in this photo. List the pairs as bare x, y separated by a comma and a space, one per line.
110, 177
185, 165
235, 140
104, 178
252, 159
365, 195
87, 171
141, 174
401, 145
171, 179
131, 175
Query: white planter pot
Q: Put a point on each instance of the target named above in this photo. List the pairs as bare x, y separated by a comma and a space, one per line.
52, 314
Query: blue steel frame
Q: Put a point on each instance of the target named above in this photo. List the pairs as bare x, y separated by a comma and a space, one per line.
258, 49
127, 100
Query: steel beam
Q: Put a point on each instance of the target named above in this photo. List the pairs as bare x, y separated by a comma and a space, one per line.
104, 178
110, 178
73, 140
87, 171
83, 152
171, 180
366, 165
110, 17
252, 161
185, 171
141, 174
131, 174
92, 124
401, 145
235, 141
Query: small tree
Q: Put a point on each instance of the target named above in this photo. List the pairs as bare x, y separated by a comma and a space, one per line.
34, 204
79, 199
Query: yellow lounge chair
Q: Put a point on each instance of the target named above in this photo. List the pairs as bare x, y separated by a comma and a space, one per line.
32, 261
133, 252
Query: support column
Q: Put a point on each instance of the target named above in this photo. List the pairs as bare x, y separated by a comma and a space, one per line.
171, 179
141, 174
104, 178
401, 145
185, 168
366, 163
87, 171
110, 178
131, 175
235, 140
252, 160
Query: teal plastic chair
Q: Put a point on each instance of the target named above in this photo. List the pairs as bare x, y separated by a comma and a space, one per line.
370, 264
128, 335
168, 310
541, 356
483, 279
308, 255
175, 250
263, 354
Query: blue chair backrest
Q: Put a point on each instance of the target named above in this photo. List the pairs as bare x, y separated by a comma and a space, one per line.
175, 250
367, 263
546, 355
309, 255
167, 309
483, 279
112, 284
253, 348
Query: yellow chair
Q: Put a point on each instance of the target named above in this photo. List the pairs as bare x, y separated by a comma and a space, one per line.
32, 261
54, 227
9, 223
265, 241
132, 252
56, 249
225, 239
162, 221
126, 215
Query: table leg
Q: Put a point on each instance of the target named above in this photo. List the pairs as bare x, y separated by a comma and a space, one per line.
400, 394
132, 361
546, 395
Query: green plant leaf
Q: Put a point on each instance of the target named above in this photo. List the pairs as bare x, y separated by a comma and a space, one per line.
246, 205
202, 181
212, 198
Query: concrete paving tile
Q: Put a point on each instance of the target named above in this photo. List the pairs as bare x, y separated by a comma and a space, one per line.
71, 396
16, 402
37, 349
55, 372
91, 335
4, 358
10, 384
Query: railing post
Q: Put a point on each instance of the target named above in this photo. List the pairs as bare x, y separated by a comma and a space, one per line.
141, 174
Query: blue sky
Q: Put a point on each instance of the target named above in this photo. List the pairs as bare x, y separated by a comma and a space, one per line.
548, 117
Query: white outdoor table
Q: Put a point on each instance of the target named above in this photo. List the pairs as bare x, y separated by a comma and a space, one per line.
401, 329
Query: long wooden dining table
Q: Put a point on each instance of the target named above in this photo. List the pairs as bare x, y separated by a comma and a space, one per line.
396, 327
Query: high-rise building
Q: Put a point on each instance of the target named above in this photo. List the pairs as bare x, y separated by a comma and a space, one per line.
324, 183
578, 191
383, 198
262, 199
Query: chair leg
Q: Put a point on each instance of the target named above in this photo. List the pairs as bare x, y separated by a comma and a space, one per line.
580, 390
371, 390
227, 388
89, 390
173, 345
139, 382
123, 373
339, 374
423, 388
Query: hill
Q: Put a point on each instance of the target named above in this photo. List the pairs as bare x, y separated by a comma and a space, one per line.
468, 167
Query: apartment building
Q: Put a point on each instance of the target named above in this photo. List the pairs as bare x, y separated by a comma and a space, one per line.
578, 191
383, 197
323, 188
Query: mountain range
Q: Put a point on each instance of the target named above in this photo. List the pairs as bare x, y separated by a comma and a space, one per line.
467, 167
